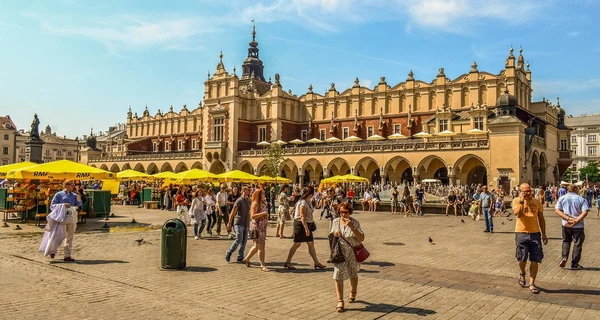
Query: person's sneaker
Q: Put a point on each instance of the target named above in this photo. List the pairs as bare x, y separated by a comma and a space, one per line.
577, 267
486, 230
491, 230
200, 236
52, 256
231, 236
196, 237
227, 256
563, 263
68, 259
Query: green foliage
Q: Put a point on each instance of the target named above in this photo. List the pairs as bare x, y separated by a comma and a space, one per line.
570, 172
592, 170
275, 160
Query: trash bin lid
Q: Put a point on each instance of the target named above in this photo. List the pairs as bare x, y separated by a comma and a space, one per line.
174, 223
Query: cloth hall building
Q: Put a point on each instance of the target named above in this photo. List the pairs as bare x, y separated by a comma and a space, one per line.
479, 127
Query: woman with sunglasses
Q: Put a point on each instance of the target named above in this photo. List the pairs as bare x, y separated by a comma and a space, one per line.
349, 229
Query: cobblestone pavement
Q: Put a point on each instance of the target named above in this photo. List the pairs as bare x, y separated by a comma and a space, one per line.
466, 275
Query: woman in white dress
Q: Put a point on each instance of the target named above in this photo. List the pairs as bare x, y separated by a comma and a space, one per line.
349, 229
197, 211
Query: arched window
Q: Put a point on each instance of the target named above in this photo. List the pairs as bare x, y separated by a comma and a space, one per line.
402, 104
336, 111
432, 100
348, 108
374, 106
325, 111
465, 97
361, 107
417, 102
482, 95
244, 114
448, 98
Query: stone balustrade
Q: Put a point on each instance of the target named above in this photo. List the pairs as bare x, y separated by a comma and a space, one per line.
150, 156
371, 147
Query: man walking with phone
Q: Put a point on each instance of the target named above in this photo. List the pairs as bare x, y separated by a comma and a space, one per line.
572, 208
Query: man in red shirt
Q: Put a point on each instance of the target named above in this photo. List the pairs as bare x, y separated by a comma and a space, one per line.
350, 196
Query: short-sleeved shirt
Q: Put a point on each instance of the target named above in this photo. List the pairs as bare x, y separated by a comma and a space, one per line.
528, 221
308, 213
242, 216
572, 205
420, 193
562, 191
487, 199
451, 198
284, 200
350, 194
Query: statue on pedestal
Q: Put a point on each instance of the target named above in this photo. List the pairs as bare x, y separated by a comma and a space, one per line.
34, 133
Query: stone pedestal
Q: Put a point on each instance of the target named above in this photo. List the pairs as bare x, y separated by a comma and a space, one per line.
33, 150
87, 154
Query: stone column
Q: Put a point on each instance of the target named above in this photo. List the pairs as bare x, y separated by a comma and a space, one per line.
325, 172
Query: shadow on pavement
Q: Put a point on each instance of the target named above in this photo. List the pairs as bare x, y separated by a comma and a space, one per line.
199, 269
571, 291
89, 262
379, 264
390, 308
368, 271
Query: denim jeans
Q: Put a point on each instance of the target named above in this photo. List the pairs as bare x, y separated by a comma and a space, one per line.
489, 223
199, 232
241, 236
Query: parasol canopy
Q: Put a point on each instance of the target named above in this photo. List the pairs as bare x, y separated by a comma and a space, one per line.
375, 137
279, 142
396, 136
422, 135
314, 140
276, 179
237, 176
297, 141
352, 139
345, 178
130, 174
263, 144
164, 175
193, 176
5, 169
332, 139
61, 170
446, 133
475, 131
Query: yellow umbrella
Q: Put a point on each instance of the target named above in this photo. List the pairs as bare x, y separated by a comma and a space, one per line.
422, 134
5, 169
193, 175
353, 139
345, 178
237, 176
396, 136
446, 133
375, 137
61, 170
476, 131
164, 175
133, 175
276, 179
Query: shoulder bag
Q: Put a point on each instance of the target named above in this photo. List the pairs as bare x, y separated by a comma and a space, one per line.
360, 252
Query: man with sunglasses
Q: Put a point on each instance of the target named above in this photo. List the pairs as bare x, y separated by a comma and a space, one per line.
530, 233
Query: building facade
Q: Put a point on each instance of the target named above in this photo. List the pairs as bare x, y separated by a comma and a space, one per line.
585, 138
8, 134
516, 139
55, 147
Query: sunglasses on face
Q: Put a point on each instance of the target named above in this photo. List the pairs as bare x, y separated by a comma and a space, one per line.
345, 211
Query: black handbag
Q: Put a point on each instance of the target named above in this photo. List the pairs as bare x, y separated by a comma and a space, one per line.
313, 227
336, 255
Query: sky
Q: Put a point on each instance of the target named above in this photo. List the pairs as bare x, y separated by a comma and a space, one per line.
80, 64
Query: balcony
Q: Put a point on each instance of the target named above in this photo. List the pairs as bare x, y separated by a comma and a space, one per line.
539, 141
150, 157
371, 147
209, 145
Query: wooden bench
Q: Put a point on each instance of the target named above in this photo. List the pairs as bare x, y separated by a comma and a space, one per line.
81, 217
151, 204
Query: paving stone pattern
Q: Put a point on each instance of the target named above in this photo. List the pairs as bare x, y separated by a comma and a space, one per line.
465, 274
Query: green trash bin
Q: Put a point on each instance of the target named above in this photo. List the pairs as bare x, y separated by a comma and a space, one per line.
146, 195
173, 245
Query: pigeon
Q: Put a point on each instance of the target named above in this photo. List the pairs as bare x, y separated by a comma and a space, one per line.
5, 225
430, 240
510, 219
502, 222
18, 227
139, 241
461, 220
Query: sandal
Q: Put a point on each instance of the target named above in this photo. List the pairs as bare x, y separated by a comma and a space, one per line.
352, 297
340, 306
265, 269
533, 289
246, 262
521, 280
289, 266
320, 266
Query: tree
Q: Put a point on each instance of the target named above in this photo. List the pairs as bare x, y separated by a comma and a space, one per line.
275, 160
570, 173
591, 171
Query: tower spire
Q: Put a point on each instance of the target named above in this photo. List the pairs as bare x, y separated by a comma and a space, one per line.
253, 30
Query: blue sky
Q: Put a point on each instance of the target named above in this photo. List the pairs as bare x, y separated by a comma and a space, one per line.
81, 64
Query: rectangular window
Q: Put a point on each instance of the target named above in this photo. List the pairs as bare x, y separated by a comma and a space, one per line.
46, 160
262, 134
443, 125
574, 150
47, 152
304, 135
6, 137
573, 139
180, 145
369, 131
592, 151
323, 135
218, 125
69, 153
4, 162
346, 133
397, 128
4, 150
563, 144
59, 152
592, 138
154, 147
478, 123
194, 144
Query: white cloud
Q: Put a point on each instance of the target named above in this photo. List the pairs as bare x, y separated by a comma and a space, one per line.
129, 32
553, 87
573, 33
366, 83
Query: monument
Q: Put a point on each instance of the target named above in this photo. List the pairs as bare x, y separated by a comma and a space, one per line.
90, 150
33, 146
